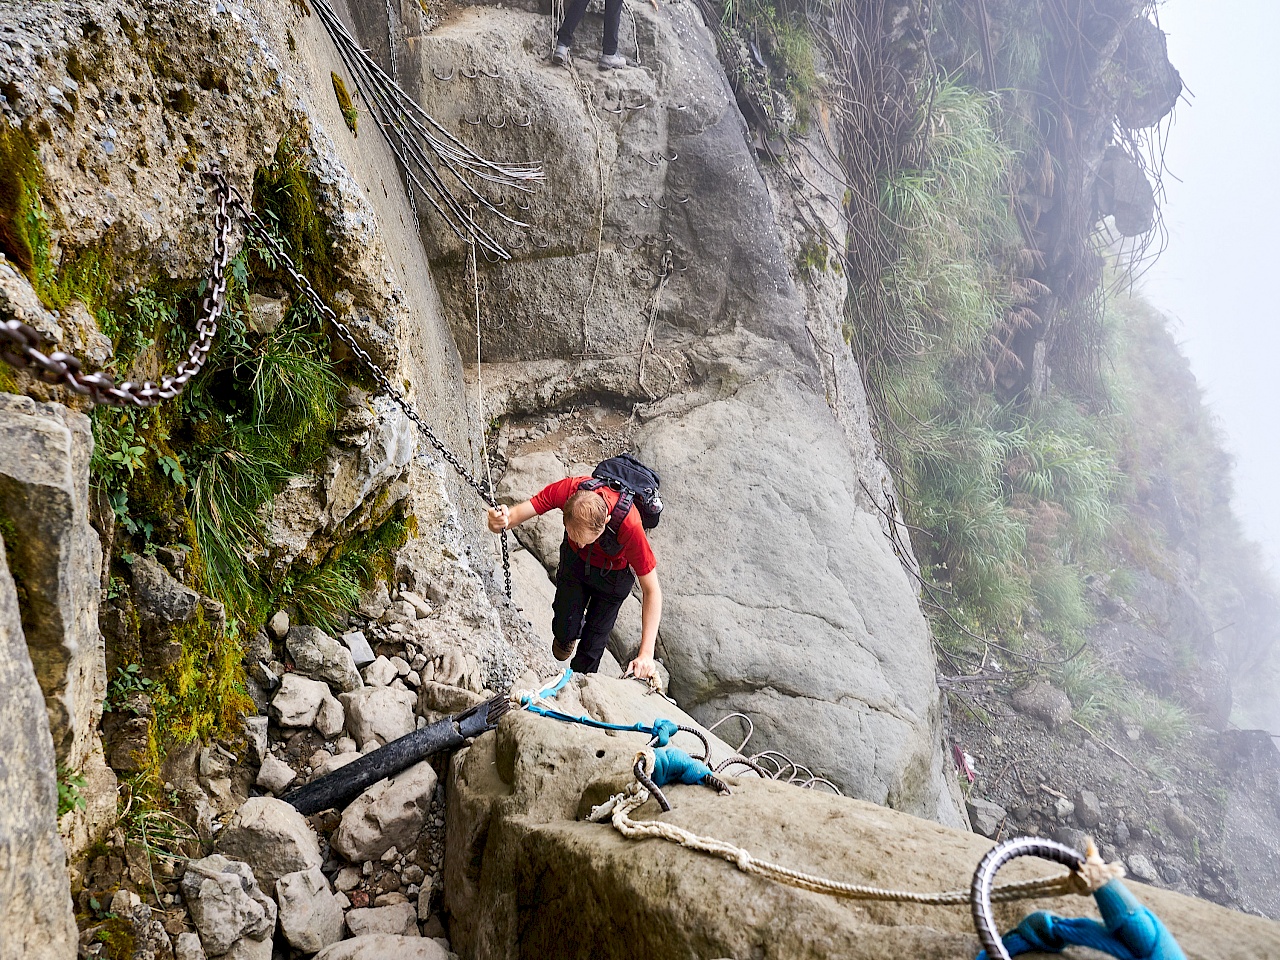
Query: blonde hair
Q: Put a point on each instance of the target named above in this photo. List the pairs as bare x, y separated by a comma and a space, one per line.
586, 510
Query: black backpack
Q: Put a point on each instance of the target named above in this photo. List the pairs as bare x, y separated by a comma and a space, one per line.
636, 484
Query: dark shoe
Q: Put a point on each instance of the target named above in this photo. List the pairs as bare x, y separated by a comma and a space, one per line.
563, 650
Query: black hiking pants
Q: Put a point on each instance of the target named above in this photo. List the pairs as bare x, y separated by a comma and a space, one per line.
586, 607
573, 16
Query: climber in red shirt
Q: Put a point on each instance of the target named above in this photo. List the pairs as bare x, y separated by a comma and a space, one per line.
592, 581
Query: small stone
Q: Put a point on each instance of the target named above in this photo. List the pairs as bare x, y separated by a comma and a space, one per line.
421, 607
391, 899
1063, 808
401, 611
342, 900
345, 745
985, 816
389, 854
413, 679
275, 775
380, 673
1121, 833
1182, 825
401, 665
367, 868
186, 946
1088, 809
361, 652
1141, 868
348, 878
278, 625
358, 898
413, 874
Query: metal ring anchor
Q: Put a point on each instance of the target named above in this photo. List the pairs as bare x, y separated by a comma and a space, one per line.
528, 120
649, 161
497, 126
641, 202
492, 76
474, 123
661, 203
543, 245
470, 76
452, 71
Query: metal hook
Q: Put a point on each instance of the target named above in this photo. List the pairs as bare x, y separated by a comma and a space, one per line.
641, 202
627, 241
684, 199
492, 76
521, 206
671, 159
543, 245
644, 275
488, 259
528, 119
652, 163
496, 126
637, 107
661, 202
617, 112
474, 123
452, 71
470, 76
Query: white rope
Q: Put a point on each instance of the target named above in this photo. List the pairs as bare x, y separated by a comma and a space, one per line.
617, 808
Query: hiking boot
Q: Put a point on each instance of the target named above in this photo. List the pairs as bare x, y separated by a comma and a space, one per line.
612, 61
561, 54
563, 649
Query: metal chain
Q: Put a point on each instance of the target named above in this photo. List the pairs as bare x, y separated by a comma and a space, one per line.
21, 345
259, 230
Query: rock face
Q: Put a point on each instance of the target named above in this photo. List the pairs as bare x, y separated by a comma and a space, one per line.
44, 484
522, 867
761, 438
36, 915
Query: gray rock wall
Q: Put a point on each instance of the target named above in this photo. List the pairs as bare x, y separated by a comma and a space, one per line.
784, 598
36, 918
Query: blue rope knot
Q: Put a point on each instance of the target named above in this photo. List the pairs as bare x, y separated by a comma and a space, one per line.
1129, 930
663, 730
673, 765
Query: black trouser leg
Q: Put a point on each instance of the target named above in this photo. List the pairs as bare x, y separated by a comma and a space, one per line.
612, 16
586, 607
572, 17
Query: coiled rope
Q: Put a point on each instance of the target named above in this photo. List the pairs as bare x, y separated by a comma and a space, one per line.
1087, 875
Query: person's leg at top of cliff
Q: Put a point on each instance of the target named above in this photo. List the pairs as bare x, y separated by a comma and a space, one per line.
610, 59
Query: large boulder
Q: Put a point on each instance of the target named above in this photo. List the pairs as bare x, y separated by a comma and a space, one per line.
226, 904
272, 837
36, 915
320, 657
389, 814
786, 601
522, 866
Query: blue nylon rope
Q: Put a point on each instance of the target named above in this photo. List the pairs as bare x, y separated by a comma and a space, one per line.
1129, 930
662, 729
673, 765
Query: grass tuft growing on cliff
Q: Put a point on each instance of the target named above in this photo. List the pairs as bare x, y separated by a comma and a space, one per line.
1007, 499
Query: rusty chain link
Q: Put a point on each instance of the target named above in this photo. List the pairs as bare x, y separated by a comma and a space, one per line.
255, 226
23, 346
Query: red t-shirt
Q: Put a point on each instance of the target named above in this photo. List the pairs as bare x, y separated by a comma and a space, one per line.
635, 554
